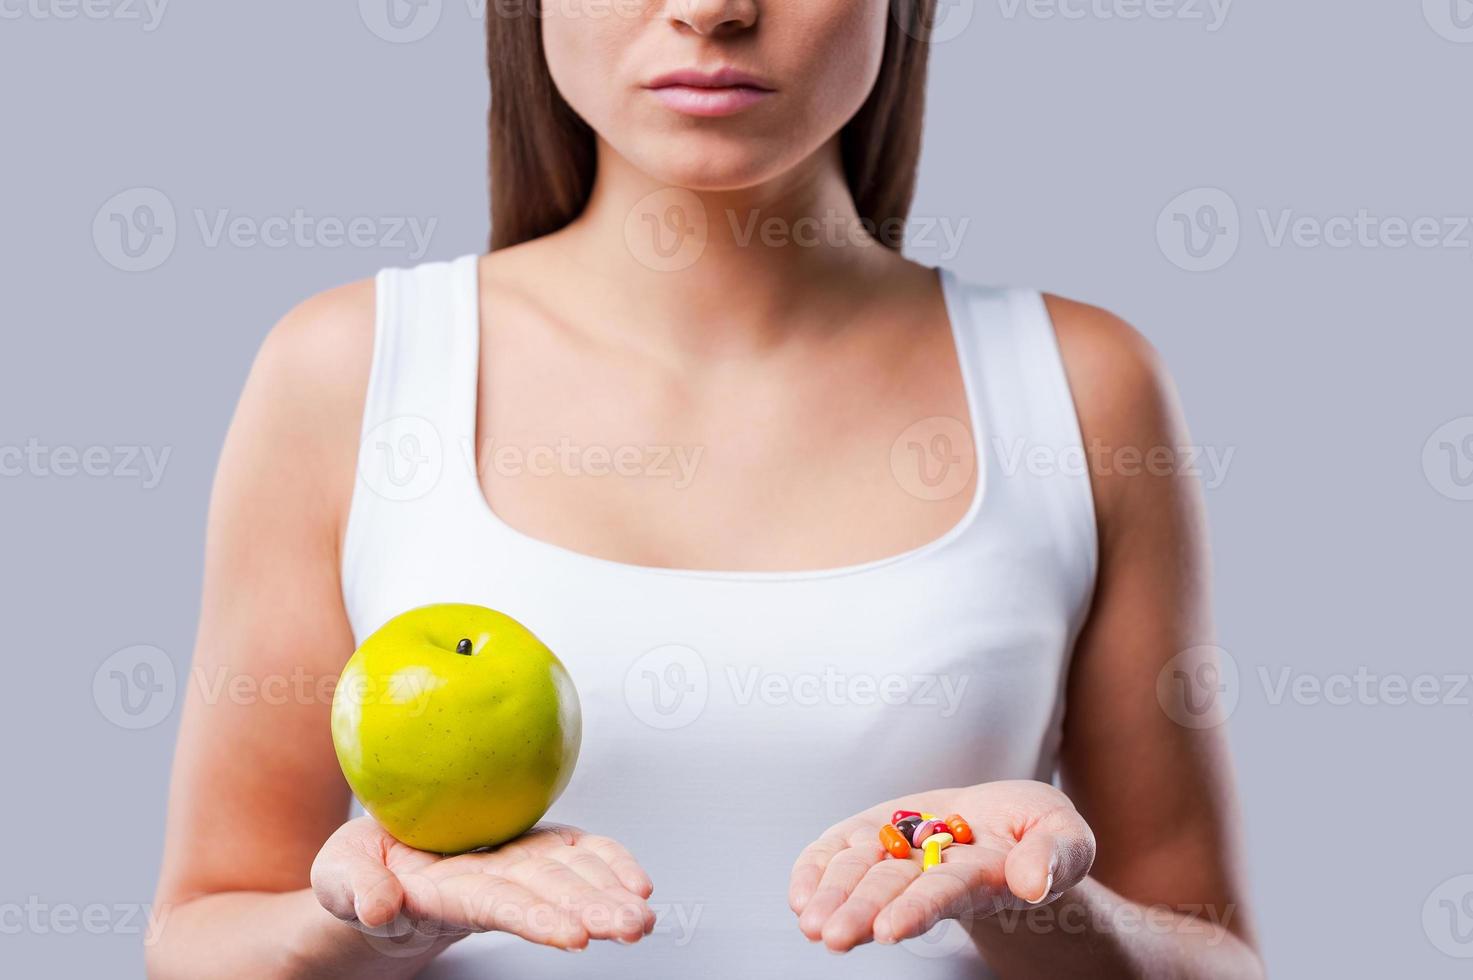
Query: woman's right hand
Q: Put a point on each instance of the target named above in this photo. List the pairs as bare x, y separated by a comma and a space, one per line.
554, 885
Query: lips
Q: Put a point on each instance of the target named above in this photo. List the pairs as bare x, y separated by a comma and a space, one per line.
722, 92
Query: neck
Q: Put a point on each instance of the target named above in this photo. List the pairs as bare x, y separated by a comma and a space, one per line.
717, 269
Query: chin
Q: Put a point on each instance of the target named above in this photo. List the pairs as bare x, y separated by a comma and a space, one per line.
714, 163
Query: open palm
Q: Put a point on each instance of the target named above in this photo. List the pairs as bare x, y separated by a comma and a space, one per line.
1031, 846
554, 885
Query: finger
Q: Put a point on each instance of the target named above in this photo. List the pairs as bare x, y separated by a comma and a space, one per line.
353, 885
844, 872
1046, 863
809, 868
558, 884
853, 922
633, 917
629, 871
949, 890
488, 902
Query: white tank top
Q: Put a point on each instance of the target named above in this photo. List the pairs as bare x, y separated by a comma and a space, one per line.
730, 717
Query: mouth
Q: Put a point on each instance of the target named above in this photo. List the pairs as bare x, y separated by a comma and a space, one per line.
723, 92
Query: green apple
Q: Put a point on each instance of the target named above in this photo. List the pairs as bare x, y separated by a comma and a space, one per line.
455, 727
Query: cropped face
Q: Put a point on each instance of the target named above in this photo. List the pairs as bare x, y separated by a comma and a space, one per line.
714, 94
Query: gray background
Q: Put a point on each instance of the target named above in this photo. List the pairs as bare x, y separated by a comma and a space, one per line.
1340, 545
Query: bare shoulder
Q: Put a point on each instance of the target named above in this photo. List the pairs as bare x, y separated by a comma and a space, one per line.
1122, 390
295, 433
1127, 406
323, 347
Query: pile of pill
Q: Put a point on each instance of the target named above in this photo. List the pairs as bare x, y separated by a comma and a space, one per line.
911, 828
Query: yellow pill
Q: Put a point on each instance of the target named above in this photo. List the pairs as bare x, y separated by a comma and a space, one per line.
929, 816
931, 850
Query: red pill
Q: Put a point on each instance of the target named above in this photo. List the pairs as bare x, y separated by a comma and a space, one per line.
960, 829
926, 829
900, 815
894, 843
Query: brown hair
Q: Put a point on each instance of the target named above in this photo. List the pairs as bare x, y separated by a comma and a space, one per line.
543, 157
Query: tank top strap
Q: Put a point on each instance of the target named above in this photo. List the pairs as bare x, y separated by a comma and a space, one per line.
1027, 430
426, 346
416, 456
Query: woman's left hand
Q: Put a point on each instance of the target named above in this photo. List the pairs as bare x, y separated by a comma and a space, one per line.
1031, 846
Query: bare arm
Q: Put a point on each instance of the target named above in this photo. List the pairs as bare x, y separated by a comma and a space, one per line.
261, 875
256, 788
1164, 897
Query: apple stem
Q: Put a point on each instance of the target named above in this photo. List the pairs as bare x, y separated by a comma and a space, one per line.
464, 646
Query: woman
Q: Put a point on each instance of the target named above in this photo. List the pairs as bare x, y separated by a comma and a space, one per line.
874, 575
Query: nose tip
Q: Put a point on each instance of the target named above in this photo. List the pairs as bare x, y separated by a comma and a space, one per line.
714, 18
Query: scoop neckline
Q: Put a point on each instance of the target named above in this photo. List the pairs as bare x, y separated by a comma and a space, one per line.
958, 319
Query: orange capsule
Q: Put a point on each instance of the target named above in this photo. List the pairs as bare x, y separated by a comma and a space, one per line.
960, 829
893, 842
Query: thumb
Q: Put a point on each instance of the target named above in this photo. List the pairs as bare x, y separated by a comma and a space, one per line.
1047, 863
354, 885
